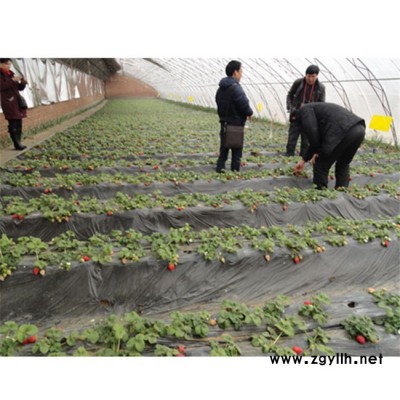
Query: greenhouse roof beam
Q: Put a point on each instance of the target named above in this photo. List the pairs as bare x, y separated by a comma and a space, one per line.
99, 67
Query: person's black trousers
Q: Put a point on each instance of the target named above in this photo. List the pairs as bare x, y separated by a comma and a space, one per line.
15, 130
223, 156
343, 155
293, 136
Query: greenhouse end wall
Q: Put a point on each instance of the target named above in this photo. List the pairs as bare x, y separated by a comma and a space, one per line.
118, 86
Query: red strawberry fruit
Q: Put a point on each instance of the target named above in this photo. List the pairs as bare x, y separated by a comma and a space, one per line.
32, 339
307, 303
297, 349
85, 258
360, 339
14, 216
296, 260
36, 271
181, 349
171, 266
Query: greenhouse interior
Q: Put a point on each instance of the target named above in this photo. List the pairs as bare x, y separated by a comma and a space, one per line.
122, 234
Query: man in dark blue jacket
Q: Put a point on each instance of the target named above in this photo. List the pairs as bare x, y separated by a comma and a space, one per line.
335, 134
233, 109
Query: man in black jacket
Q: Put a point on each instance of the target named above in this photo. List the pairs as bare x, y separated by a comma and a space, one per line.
335, 134
233, 109
303, 91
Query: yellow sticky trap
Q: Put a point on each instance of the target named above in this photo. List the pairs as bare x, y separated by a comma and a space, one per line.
259, 106
381, 122
190, 98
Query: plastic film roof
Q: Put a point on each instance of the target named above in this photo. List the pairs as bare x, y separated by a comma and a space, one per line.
368, 87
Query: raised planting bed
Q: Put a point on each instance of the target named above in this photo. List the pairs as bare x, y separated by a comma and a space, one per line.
317, 326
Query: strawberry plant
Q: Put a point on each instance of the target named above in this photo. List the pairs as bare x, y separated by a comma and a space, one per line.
317, 343
313, 309
224, 348
277, 328
165, 351
55, 208
136, 344
50, 344
265, 245
188, 324
81, 352
274, 309
361, 326
236, 315
10, 254
14, 337
391, 304
336, 240
65, 242
268, 343
289, 325
111, 334
15, 207
37, 247
150, 331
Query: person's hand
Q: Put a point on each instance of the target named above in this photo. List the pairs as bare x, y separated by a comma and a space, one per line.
298, 169
17, 78
314, 158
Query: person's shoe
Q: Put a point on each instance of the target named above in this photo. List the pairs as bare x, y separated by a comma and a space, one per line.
16, 139
289, 154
